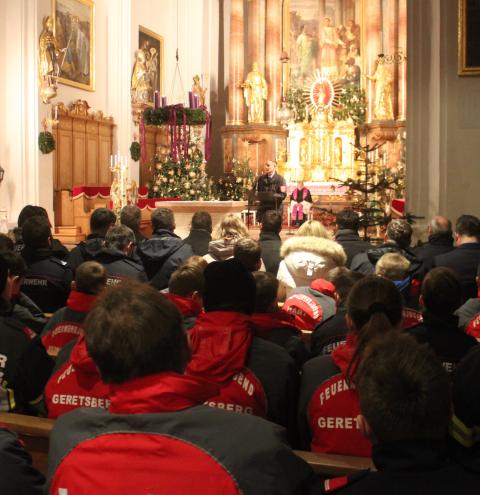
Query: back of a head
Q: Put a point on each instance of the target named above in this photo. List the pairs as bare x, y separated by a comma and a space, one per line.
197, 262
400, 231
392, 266
249, 253
36, 232
119, 236
186, 280
230, 228
404, 391
90, 277
441, 291
134, 331
312, 228
348, 219
468, 226
6, 244
101, 220
229, 286
16, 263
131, 216
202, 220
163, 219
30, 211
440, 224
272, 222
266, 291
343, 279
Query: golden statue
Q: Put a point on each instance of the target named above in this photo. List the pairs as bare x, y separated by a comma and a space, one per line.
383, 108
255, 90
141, 84
48, 50
198, 90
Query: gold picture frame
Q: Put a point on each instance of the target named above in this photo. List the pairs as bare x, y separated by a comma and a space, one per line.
468, 38
74, 22
155, 41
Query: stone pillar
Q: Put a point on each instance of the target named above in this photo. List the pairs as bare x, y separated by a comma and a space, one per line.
338, 13
236, 106
273, 69
402, 70
373, 47
255, 50
391, 23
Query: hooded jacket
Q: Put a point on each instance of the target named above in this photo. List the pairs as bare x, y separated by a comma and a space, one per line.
352, 243
67, 323
75, 383
161, 255
119, 266
270, 243
253, 375
158, 438
189, 308
85, 250
308, 258
328, 405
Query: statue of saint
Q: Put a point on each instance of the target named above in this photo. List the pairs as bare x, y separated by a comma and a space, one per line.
48, 50
198, 90
383, 108
255, 91
141, 85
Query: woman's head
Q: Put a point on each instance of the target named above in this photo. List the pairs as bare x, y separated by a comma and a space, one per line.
312, 228
230, 228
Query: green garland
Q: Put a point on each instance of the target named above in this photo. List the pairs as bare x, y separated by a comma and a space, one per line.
352, 104
135, 151
160, 116
46, 142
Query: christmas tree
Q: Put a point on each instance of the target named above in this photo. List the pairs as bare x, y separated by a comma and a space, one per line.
235, 185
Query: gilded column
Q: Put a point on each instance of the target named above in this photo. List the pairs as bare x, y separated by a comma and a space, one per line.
273, 42
402, 45
373, 45
236, 107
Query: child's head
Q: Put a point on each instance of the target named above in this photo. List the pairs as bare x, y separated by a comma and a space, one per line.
248, 252
267, 290
343, 280
188, 281
392, 266
90, 278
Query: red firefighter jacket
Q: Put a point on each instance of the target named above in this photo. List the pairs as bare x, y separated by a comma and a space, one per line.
189, 308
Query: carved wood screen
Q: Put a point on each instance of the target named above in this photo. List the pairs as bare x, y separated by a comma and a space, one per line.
84, 143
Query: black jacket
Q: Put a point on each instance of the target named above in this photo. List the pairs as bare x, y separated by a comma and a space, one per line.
464, 259
58, 249
119, 266
329, 334
351, 243
270, 243
47, 280
439, 243
25, 310
161, 255
17, 475
273, 185
85, 250
442, 334
198, 239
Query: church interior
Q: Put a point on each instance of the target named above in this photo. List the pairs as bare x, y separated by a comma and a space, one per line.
250, 135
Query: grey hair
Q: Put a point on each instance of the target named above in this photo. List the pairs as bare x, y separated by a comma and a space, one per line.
119, 236
437, 227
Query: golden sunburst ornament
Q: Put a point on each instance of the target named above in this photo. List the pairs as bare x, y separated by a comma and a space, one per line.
321, 93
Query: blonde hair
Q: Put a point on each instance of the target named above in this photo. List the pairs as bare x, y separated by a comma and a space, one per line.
230, 228
315, 245
392, 266
312, 228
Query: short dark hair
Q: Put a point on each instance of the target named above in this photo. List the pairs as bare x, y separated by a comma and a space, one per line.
16, 263
162, 218
343, 279
400, 231
119, 236
130, 216
36, 232
202, 220
101, 220
185, 280
90, 277
6, 244
442, 291
134, 331
348, 219
248, 252
272, 222
468, 225
30, 211
404, 391
266, 290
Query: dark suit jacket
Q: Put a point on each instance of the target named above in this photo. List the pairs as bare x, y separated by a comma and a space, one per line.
351, 243
464, 259
437, 244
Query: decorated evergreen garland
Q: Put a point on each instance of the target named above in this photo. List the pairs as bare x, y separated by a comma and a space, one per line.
46, 142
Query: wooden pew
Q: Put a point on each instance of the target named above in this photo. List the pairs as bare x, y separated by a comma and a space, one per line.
332, 465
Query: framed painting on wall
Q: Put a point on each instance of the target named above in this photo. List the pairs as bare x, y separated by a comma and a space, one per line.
74, 31
152, 45
468, 37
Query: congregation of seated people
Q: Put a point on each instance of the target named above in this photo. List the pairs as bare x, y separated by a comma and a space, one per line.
201, 365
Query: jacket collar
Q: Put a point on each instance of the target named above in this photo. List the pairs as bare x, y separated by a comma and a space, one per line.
80, 358
441, 239
264, 323
343, 354
269, 236
164, 233
31, 255
347, 235
162, 392
80, 301
470, 245
186, 305
440, 323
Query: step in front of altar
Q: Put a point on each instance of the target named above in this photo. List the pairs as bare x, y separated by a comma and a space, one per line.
70, 234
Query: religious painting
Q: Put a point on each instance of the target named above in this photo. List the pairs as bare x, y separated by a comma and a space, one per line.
468, 37
322, 35
152, 46
74, 28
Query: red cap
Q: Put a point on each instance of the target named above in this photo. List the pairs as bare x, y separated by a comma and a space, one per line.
308, 313
323, 286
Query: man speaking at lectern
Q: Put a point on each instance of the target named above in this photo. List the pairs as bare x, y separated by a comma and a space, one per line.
270, 189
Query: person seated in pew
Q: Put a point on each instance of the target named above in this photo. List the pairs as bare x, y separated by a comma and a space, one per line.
254, 376
442, 296
158, 434
200, 232
17, 475
67, 323
332, 331
468, 313
270, 323
131, 216
249, 252
328, 402
405, 404
185, 289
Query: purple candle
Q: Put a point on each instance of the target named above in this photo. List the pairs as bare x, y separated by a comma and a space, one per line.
191, 101
164, 101
196, 100
156, 99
